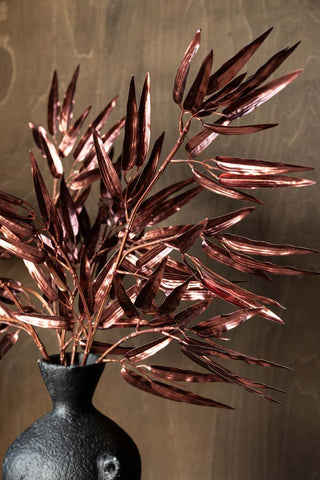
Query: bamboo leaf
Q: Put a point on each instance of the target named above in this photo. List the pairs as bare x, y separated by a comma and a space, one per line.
238, 130
7, 342
150, 288
230, 68
262, 181
108, 173
42, 321
130, 142
256, 167
144, 123
148, 350
53, 106
68, 101
184, 67
71, 136
198, 89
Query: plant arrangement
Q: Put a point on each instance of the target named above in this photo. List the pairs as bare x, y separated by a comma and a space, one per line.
122, 271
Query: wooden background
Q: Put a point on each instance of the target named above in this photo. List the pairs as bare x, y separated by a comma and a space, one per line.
113, 39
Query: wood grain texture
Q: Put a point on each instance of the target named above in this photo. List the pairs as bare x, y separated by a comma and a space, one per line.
113, 39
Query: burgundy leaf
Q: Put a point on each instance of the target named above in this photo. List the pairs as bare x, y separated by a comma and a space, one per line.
154, 256
37, 137
158, 212
262, 181
167, 391
246, 104
22, 250
45, 202
201, 141
223, 256
190, 314
266, 70
86, 142
69, 139
19, 227
10, 199
53, 106
148, 350
165, 233
42, 321
113, 312
240, 298
230, 377
202, 348
68, 211
39, 276
144, 123
85, 179
108, 173
173, 299
216, 326
258, 247
124, 300
184, 67
165, 193
68, 101
102, 282
212, 103
269, 267
150, 288
256, 167
210, 184
51, 154
107, 139
198, 89
130, 142
186, 240
178, 375
230, 68
238, 130
224, 222
8, 341
85, 281
150, 168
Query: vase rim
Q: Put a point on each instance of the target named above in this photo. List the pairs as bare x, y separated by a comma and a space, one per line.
78, 357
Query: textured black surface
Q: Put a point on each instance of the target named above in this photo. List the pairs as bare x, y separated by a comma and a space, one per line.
74, 441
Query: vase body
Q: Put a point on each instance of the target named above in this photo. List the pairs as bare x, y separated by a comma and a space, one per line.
74, 441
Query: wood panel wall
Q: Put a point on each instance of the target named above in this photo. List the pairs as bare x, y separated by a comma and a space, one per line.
113, 39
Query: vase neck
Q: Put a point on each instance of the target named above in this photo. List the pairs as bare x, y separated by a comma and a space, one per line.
71, 387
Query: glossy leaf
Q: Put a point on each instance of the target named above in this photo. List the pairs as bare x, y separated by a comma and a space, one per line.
238, 130
166, 391
184, 318
259, 247
198, 89
42, 320
69, 139
184, 67
179, 375
150, 288
86, 142
262, 181
53, 106
124, 300
51, 154
145, 351
256, 167
210, 184
144, 114
23, 250
224, 222
185, 241
7, 342
249, 102
173, 299
68, 101
108, 173
130, 142
68, 211
41, 279
218, 325
230, 68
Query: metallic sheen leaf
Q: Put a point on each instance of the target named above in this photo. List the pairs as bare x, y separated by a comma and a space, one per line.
184, 67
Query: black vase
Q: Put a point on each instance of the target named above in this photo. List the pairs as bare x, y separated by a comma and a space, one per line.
74, 441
